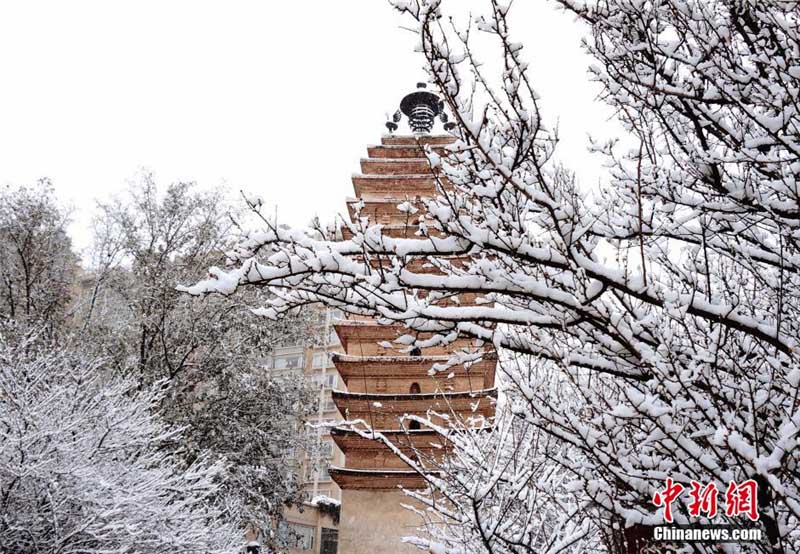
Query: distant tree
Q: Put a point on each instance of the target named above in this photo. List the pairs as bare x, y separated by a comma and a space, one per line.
207, 354
146, 242
86, 465
37, 266
255, 421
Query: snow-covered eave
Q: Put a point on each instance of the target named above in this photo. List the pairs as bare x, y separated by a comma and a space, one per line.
394, 176
362, 323
374, 471
352, 359
404, 146
351, 441
345, 431
476, 394
395, 160
379, 479
354, 200
393, 226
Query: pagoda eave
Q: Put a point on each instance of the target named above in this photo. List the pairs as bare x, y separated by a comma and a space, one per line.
396, 166
375, 479
349, 440
411, 366
388, 186
414, 397
464, 405
366, 330
413, 140
362, 331
393, 151
394, 231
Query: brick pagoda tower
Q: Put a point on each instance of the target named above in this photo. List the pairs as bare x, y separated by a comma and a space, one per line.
385, 383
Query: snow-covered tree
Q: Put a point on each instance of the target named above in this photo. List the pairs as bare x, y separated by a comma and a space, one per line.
37, 265
667, 300
502, 487
86, 465
207, 354
145, 241
254, 420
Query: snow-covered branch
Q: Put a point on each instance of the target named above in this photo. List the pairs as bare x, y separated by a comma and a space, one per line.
667, 302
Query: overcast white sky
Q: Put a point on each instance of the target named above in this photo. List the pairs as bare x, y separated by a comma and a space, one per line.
277, 98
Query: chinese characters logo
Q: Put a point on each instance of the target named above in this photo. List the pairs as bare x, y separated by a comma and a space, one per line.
740, 499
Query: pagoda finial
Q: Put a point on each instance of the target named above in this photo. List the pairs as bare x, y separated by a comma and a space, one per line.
421, 107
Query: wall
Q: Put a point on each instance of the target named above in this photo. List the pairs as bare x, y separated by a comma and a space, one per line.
385, 523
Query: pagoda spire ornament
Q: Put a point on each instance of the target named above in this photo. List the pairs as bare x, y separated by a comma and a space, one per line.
421, 108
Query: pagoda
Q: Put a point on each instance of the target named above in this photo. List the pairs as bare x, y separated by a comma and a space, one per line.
386, 381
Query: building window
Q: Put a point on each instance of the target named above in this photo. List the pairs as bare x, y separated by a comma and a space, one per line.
321, 472
320, 360
287, 361
325, 451
294, 535
331, 379
327, 380
329, 405
329, 541
333, 338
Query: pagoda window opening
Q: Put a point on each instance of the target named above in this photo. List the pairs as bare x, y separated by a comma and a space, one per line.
414, 389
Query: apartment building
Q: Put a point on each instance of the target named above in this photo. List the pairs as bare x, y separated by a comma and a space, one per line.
312, 527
